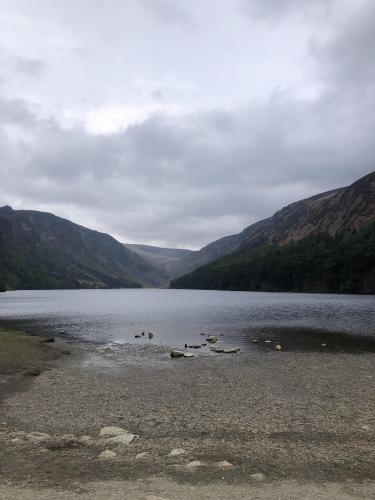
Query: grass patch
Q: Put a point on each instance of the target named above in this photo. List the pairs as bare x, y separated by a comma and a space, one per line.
19, 351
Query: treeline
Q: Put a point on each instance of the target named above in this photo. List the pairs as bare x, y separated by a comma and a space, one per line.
344, 263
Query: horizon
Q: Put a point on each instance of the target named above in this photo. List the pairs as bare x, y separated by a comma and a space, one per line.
184, 248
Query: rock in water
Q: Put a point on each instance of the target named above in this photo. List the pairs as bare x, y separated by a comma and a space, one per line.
195, 346
107, 455
217, 349
150, 335
177, 354
231, 350
268, 341
212, 339
188, 355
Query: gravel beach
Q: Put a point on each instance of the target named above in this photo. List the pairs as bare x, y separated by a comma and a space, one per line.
290, 424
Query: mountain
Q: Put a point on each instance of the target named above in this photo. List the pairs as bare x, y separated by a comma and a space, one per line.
339, 211
341, 208
166, 260
40, 250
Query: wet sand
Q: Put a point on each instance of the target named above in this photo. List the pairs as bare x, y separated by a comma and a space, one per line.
305, 420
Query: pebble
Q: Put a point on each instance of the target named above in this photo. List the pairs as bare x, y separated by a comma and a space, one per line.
122, 439
323, 344
225, 465
32, 372
194, 465
86, 440
142, 455
177, 354
188, 355
212, 339
107, 455
278, 347
153, 497
195, 346
67, 441
150, 335
112, 431
231, 350
177, 452
255, 341
259, 477
268, 341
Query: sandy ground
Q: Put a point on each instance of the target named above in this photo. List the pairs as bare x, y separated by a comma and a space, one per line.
305, 421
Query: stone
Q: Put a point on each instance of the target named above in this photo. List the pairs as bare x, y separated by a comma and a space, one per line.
217, 349
323, 344
204, 344
86, 440
278, 347
122, 439
66, 352
188, 355
231, 350
224, 465
112, 431
65, 442
195, 346
32, 372
48, 339
107, 455
255, 341
258, 477
137, 336
153, 497
177, 354
212, 339
268, 341
177, 452
37, 437
150, 335
141, 456
195, 464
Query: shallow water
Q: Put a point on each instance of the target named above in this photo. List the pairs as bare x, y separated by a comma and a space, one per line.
176, 317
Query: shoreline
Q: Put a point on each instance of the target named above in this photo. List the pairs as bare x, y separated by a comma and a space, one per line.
291, 416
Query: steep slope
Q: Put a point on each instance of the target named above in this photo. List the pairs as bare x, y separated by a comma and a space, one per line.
164, 259
40, 250
339, 211
344, 263
343, 208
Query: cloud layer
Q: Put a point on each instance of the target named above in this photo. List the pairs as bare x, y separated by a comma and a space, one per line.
180, 171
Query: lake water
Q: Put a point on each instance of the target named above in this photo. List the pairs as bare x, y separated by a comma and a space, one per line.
176, 317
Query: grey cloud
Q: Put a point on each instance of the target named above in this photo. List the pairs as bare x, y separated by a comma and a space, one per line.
274, 10
169, 11
29, 67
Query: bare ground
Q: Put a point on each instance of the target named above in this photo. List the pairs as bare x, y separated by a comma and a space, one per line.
305, 421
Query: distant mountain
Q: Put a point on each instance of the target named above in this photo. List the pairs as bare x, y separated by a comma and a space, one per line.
339, 211
39, 250
166, 260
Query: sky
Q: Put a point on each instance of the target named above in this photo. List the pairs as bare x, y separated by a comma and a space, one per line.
177, 122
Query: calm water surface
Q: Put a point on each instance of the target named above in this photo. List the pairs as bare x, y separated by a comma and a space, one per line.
179, 316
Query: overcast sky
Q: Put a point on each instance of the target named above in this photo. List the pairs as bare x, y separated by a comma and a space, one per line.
176, 122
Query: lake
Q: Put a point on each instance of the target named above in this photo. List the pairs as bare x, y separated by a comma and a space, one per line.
176, 317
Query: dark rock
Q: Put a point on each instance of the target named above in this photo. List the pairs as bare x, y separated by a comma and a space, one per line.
48, 339
32, 372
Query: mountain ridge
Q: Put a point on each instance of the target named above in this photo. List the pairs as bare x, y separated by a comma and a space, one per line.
41, 250
342, 209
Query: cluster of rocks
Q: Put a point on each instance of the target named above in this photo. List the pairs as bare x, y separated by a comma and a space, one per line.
150, 335
211, 339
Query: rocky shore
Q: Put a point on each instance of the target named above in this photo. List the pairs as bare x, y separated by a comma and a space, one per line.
132, 422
